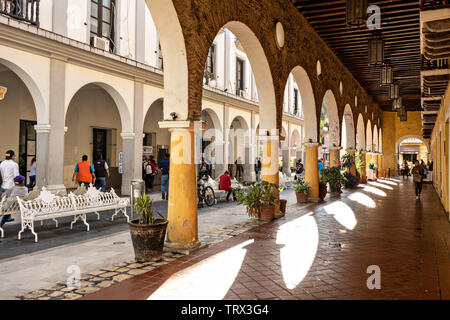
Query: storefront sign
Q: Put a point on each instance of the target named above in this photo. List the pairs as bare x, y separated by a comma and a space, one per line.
409, 150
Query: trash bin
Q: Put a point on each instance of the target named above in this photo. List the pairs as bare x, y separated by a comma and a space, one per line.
137, 190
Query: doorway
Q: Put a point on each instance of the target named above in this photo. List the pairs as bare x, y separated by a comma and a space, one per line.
99, 143
27, 146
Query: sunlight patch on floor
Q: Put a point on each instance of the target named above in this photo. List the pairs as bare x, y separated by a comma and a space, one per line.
381, 185
300, 238
363, 199
374, 190
342, 213
209, 279
392, 183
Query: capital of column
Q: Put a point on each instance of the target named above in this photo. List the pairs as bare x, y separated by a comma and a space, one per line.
127, 135
42, 128
335, 148
182, 125
349, 150
219, 143
311, 144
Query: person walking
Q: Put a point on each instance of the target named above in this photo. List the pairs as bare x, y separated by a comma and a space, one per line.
18, 190
405, 169
164, 166
225, 184
299, 171
150, 172
32, 174
320, 165
84, 172
101, 170
9, 169
417, 172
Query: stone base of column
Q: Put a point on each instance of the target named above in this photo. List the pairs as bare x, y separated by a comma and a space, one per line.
184, 248
57, 188
313, 199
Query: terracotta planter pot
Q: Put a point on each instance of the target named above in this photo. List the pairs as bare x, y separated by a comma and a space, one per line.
283, 203
148, 239
267, 212
336, 188
322, 190
302, 197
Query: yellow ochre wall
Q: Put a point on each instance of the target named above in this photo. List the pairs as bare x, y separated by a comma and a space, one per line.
439, 152
393, 130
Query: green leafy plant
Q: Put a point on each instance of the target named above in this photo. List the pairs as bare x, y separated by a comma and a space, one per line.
360, 165
143, 207
301, 186
333, 176
348, 161
256, 194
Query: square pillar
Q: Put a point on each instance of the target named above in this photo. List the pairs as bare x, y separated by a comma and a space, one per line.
138, 130
42, 133
55, 151
128, 158
219, 156
286, 162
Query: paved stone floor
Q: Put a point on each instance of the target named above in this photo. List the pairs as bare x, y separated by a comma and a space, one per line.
321, 251
39, 270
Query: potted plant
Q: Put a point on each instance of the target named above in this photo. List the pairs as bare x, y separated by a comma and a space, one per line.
283, 202
147, 233
351, 181
334, 177
258, 198
302, 190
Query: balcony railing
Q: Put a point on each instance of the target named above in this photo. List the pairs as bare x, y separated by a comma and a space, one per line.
24, 10
434, 64
434, 4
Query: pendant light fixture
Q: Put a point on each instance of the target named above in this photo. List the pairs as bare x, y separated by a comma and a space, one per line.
376, 49
386, 74
356, 13
394, 91
397, 104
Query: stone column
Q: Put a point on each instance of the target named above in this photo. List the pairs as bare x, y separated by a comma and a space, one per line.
128, 149
352, 153
42, 133
219, 158
249, 167
364, 164
335, 156
182, 230
136, 155
312, 170
270, 165
286, 162
55, 152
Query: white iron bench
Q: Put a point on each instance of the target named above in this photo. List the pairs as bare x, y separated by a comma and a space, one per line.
12, 206
49, 206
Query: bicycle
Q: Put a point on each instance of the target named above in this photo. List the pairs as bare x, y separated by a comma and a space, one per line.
205, 193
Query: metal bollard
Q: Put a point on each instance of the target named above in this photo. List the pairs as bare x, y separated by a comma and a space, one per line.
137, 190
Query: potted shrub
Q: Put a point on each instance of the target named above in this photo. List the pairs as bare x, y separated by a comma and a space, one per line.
334, 178
283, 202
302, 190
147, 233
258, 198
351, 181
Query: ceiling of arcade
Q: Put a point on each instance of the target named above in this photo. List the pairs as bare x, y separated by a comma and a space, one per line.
201, 20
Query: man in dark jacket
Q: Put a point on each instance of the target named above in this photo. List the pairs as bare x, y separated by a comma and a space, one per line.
101, 172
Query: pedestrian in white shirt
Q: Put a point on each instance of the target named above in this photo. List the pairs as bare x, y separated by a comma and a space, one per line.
18, 190
9, 169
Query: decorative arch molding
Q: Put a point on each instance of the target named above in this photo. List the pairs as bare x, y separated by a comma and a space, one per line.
361, 134
121, 104
369, 137
200, 22
349, 122
399, 141
40, 104
333, 118
308, 103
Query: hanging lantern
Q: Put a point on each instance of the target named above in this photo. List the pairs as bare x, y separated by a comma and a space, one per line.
397, 104
376, 49
356, 13
394, 91
386, 74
